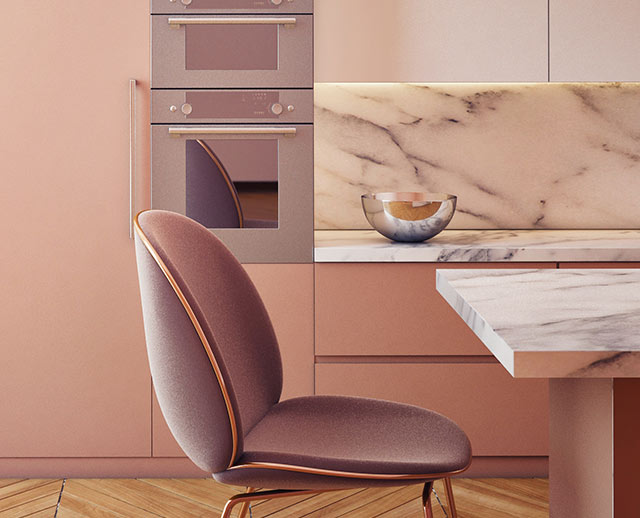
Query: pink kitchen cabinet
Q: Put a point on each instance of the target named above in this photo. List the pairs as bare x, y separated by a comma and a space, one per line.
383, 331
594, 41
73, 374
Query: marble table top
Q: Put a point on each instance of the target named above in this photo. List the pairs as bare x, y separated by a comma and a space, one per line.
481, 246
552, 323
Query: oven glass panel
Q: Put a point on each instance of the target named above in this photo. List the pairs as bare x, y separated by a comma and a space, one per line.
232, 4
231, 47
232, 105
232, 183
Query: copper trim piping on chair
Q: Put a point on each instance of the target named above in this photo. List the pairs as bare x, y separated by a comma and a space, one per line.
199, 331
348, 474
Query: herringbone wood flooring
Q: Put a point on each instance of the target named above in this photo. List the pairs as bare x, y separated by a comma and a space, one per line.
203, 498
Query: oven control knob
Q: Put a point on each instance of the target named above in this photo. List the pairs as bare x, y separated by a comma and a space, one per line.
173, 108
290, 108
186, 108
277, 109
185, 2
276, 2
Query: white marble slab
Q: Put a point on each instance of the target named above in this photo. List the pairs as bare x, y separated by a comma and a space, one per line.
481, 246
522, 156
552, 323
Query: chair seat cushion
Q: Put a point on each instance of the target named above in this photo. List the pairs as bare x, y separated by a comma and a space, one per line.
357, 435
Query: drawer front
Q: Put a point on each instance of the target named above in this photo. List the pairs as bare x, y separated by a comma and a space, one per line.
382, 309
181, 182
500, 414
231, 6
232, 51
231, 106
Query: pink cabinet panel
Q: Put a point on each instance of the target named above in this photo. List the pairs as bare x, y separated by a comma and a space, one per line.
429, 41
501, 415
594, 41
384, 309
287, 292
73, 375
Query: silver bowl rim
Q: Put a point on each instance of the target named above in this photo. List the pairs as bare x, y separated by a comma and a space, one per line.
409, 196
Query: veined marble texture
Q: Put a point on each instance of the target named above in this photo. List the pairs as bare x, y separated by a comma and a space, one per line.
552, 323
518, 156
481, 246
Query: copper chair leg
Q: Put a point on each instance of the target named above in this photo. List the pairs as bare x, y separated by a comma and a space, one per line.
426, 499
451, 504
245, 505
246, 498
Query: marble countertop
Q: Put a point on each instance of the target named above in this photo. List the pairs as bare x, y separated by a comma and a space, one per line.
552, 323
481, 246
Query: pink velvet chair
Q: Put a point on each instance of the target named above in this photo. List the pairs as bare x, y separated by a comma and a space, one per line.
217, 373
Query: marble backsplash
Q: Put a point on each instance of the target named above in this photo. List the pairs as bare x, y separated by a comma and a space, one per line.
518, 156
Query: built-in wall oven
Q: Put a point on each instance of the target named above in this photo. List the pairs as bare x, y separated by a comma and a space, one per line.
260, 142
232, 121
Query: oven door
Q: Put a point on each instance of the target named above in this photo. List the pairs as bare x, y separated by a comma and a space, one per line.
232, 51
251, 184
227, 6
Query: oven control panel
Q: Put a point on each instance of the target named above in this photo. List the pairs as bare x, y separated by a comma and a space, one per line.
232, 106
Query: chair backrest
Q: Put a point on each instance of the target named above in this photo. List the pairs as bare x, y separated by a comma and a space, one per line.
211, 196
212, 350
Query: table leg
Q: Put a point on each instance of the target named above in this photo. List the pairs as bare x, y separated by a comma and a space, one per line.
591, 433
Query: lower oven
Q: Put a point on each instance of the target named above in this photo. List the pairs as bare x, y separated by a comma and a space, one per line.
251, 183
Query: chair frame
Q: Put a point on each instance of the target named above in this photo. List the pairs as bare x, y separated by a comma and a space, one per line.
252, 494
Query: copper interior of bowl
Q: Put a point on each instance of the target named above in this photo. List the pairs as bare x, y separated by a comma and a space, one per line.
407, 211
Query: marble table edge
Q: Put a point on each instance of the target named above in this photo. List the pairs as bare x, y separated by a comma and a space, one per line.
476, 323
538, 364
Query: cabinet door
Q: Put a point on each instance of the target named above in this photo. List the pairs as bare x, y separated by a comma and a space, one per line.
592, 40
383, 309
501, 415
425, 40
73, 375
287, 292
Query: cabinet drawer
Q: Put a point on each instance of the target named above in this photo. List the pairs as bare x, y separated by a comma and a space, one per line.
231, 6
232, 51
500, 414
382, 309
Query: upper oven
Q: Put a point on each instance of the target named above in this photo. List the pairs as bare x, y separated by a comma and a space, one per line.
232, 50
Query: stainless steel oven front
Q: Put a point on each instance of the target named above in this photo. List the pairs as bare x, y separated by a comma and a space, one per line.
241, 163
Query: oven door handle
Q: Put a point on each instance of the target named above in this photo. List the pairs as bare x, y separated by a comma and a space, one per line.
220, 20
176, 131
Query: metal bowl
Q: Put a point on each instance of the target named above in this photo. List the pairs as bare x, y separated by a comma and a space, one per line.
409, 216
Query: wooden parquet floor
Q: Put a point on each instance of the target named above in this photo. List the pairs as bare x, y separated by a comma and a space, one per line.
203, 498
